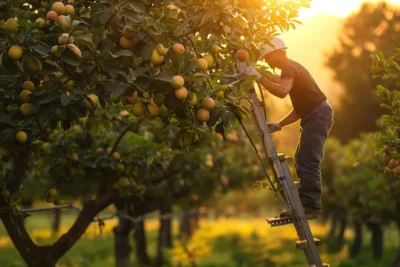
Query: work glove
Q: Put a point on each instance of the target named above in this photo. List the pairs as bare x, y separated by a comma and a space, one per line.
274, 127
253, 72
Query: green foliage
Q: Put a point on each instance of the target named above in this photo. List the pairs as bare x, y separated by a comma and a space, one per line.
92, 56
367, 31
104, 114
360, 178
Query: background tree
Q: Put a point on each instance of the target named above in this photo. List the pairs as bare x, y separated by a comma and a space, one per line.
375, 27
388, 68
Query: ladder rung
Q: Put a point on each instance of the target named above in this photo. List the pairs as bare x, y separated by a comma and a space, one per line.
281, 156
302, 244
296, 184
279, 221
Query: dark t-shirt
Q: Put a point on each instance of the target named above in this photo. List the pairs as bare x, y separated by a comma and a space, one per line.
305, 93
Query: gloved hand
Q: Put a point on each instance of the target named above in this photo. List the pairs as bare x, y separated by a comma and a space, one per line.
250, 71
274, 127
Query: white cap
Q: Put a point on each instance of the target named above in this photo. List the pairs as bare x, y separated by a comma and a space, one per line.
277, 44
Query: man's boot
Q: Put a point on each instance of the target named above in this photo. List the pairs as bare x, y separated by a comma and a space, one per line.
311, 213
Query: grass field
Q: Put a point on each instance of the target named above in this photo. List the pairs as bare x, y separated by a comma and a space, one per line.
222, 242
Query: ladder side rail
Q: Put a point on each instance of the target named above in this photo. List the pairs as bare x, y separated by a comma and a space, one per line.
300, 233
269, 145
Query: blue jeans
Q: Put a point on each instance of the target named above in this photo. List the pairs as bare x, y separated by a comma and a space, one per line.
314, 131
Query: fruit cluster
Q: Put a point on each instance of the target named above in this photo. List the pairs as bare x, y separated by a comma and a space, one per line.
393, 164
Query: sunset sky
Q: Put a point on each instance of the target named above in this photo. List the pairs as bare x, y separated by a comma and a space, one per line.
338, 8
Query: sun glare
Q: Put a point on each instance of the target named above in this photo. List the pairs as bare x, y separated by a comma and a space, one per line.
338, 8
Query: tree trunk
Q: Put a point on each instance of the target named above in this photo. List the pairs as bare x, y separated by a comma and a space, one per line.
139, 234
164, 233
122, 247
47, 256
56, 221
332, 231
195, 218
185, 231
396, 262
376, 240
141, 244
342, 229
358, 239
121, 243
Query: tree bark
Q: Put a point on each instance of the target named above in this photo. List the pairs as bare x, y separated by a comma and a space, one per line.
342, 229
122, 246
185, 231
47, 256
396, 262
195, 217
358, 239
332, 231
164, 233
376, 240
139, 235
141, 244
121, 243
56, 221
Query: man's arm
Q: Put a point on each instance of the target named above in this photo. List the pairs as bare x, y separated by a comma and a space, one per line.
292, 117
280, 89
272, 77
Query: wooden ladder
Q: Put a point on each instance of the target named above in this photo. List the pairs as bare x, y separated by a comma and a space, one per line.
288, 188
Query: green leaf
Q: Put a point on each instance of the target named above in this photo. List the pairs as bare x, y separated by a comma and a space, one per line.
70, 58
66, 99
164, 78
76, 110
131, 16
215, 116
88, 42
143, 84
111, 70
7, 136
140, 71
122, 53
131, 77
147, 51
114, 88
61, 113
42, 50
4, 119
50, 98
9, 65
199, 74
138, 7
190, 66
103, 16
178, 60
93, 127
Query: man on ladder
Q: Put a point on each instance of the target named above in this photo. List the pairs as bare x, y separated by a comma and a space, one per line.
310, 105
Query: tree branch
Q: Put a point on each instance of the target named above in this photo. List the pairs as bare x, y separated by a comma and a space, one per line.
198, 26
123, 134
20, 165
89, 211
14, 225
198, 56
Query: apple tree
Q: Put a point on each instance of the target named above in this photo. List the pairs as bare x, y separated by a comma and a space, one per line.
387, 69
72, 71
